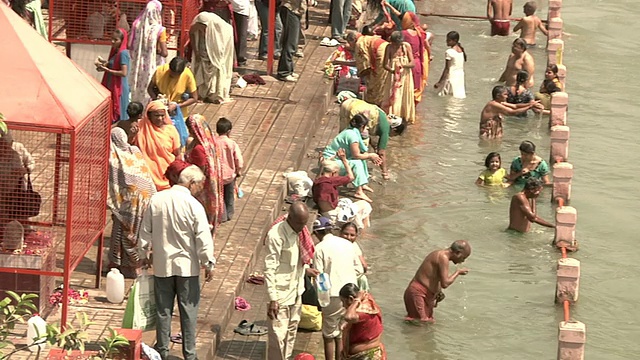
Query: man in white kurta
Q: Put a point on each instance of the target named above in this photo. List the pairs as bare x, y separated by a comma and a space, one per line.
284, 277
176, 229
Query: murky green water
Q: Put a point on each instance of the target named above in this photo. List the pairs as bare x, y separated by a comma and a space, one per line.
504, 308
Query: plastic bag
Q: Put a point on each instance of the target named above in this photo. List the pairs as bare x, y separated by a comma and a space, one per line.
310, 318
140, 312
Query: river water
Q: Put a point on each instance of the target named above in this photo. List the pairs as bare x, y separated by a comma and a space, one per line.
504, 308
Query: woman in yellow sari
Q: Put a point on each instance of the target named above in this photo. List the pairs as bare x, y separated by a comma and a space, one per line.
417, 38
398, 90
159, 142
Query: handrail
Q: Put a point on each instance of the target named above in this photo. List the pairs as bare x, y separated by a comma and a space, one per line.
565, 303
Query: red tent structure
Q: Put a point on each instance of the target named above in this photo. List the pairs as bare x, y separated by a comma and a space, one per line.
60, 116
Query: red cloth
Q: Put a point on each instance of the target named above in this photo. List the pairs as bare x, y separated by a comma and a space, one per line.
305, 241
325, 188
419, 302
197, 156
368, 327
116, 81
500, 28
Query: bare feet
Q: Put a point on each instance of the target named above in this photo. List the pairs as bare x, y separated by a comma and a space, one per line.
367, 188
386, 176
362, 196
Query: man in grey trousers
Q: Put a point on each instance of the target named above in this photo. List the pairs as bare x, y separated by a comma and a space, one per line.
176, 229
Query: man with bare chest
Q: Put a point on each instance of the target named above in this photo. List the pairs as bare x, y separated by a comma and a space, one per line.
425, 289
519, 59
498, 13
493, 113
522, 211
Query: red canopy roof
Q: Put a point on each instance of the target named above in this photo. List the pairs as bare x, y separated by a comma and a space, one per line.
39, 86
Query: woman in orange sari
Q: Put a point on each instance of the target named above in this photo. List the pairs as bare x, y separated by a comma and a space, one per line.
159, 142
417, 38
362, 334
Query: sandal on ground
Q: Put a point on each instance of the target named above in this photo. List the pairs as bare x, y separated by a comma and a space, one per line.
177, 338
256, 279
242, 304
246, 328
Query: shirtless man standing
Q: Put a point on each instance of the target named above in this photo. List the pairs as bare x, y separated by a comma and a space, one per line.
425, 289
519, 59
498, 13
529, 24
492, 114
522, 211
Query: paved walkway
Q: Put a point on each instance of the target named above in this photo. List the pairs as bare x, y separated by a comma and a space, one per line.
275, 126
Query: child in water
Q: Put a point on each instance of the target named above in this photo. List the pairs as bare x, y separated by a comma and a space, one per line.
494, 174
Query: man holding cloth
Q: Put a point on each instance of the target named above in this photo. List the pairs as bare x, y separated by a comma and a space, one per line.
289, 251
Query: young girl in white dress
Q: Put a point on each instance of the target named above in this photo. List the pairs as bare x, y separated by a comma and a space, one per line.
452, 79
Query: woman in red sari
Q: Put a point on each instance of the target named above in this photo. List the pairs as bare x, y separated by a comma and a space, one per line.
202, 151
417, 38
115, 70
362, 335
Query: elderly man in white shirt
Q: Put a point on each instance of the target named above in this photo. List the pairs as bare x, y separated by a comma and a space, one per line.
336, 257
176, 229
284, 276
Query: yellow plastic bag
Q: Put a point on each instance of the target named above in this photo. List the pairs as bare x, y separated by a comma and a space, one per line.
311, 318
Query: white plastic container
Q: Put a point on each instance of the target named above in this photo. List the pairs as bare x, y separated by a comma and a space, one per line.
324, 285
115, 286
36, 333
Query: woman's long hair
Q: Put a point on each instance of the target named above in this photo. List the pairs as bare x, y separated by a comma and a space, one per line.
454, 36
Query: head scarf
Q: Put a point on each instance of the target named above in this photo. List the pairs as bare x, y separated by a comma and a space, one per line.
411, 21
211, 197
3, 126
116, 81
158, 144
218, 40
130, 183
143, 42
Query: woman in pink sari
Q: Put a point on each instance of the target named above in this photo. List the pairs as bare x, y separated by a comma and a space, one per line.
148, 46
417, 38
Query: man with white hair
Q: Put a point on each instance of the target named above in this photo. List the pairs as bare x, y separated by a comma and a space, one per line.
325, 193
176, 229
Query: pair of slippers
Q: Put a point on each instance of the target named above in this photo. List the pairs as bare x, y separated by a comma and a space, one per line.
246, 328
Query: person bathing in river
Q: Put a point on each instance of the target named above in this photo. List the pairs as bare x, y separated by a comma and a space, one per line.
519, 94
452, 78
528, 25
425, 289
498, 13
379, 125
495, 174
522, 211
493, 113
519, 59
550, 85
528, 165
325, 190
